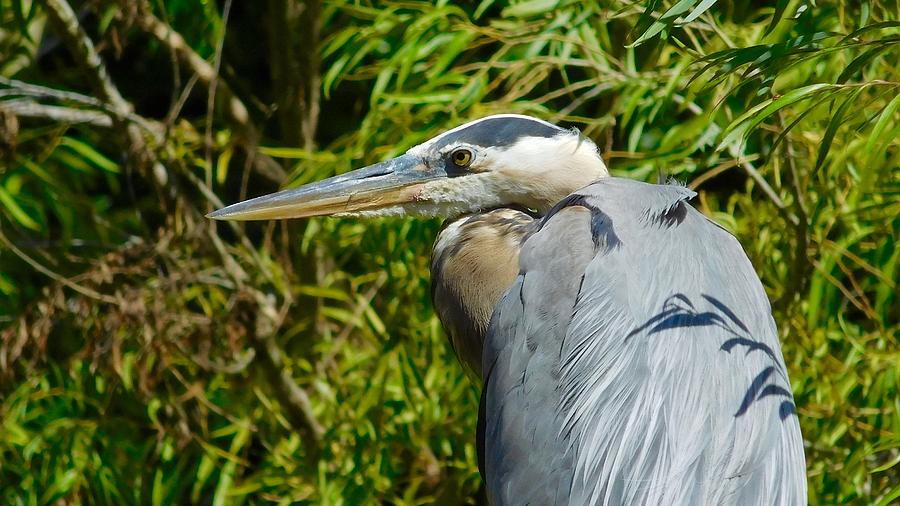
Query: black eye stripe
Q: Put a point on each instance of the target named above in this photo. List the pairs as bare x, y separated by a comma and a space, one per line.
500, 132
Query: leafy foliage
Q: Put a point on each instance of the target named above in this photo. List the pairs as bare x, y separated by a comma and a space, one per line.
140, 347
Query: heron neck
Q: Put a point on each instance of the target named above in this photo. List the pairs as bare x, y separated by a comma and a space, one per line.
475, 260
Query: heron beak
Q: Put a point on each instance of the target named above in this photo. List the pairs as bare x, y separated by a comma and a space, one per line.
394, 182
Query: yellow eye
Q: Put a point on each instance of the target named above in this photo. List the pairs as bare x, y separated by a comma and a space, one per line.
461, 157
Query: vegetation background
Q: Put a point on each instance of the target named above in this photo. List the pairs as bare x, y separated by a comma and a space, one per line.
151, 356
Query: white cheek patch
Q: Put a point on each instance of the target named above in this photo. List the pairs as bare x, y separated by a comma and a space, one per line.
565, 156
543, 171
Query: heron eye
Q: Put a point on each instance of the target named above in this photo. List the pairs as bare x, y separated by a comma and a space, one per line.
461, 157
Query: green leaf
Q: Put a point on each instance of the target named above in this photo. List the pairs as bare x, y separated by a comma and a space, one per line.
890, 497
887, 115
887, 465
226, 477
777, 15
861, 61
222, 164
16, 211
529, 8
667, 19
482, 8
89, 153
833, 125
750, 119
698, 11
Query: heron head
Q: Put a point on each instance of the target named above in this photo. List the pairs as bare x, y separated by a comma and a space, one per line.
492, 162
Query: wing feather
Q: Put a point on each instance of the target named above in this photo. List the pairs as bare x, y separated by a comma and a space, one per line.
635, 361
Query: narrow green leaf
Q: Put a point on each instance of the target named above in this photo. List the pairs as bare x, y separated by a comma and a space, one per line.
885, 292
666, 20
333, 75
833, 125
890, 497
874, 26
90, 154
204, 470
887, 465
482, 7
860, 61
226, 477
777, 15
16, 211
222, 164
750, 119
698, 11
881, 125
298, 154
529, 8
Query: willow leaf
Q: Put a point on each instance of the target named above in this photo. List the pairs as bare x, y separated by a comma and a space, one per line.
833, 125
752, 118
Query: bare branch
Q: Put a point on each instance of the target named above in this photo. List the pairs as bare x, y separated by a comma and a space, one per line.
54, 276
234, 108
78, 42
33, 90
293, 399
27, 108
211, 96
801, 267
30, 109
764, 186
206, 73
63, 17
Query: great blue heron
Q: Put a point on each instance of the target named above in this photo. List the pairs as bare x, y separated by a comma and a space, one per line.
626, 346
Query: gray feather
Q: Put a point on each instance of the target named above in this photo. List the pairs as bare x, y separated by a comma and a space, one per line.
635, 361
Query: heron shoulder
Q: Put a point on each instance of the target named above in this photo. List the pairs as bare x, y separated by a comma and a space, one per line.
656, 310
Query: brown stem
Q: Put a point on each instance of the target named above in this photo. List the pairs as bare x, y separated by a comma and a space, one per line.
294, 56
800, 265
235, 110
292, 398
66, 22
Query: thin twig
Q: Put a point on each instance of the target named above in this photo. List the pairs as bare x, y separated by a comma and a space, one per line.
27, 108
175, 103
214, 199
179, 102
205, 72
801, 268
235, 110
293, 398
33, 90
211, 96
80, 45
88, 292
715, 171
764, 186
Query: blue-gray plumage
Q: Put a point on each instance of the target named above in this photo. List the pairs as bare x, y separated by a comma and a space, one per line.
625, 344
643, 356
